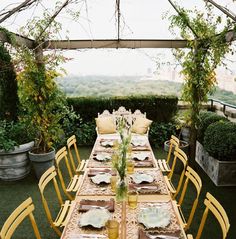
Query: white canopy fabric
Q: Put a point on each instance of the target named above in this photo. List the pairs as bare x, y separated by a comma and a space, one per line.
139, 19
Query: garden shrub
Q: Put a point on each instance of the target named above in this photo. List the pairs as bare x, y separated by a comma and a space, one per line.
220, 140
207, 118
160, 132
158, 108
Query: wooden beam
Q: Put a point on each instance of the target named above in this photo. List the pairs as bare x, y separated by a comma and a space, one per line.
223, 9
20, 40
52, 18
82, 44
16, 9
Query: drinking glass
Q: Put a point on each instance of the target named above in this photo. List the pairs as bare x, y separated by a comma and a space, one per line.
112, 229
133, 200
113, 183
130, 167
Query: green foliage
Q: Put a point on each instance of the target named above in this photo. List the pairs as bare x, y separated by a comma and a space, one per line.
158, 108
8, 86
13, 134
86, 133
207, 47
220, 140
206, 119
160, 132
109, 86
42, 101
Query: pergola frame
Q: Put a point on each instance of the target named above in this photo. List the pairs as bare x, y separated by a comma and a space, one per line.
107, 43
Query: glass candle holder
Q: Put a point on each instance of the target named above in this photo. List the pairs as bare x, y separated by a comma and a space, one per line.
130, 167
112, 229
133, 200
113, 183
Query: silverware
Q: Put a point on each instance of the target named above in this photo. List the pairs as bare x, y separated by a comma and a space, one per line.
161, 236
86, 236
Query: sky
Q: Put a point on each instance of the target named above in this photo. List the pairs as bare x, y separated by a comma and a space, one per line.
97, 20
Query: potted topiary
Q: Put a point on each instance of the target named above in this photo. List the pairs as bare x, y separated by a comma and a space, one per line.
42, 101
15, 142
217, 155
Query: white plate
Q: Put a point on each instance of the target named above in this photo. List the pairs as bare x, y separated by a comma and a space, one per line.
142, 177
101, 178
96, 217
103, 157
138, 142
107, 143
153, 217
140, 156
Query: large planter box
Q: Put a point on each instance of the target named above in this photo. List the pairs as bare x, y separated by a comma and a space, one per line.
222, 173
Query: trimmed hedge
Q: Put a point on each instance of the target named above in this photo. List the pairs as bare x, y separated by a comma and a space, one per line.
220, 140
158, 108
206, 119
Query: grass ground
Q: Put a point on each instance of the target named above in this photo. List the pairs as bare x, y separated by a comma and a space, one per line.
13, 193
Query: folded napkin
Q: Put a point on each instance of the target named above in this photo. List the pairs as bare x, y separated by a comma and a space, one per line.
146, 163
144, 187
94, 172
86, 204
140, 148
148, 235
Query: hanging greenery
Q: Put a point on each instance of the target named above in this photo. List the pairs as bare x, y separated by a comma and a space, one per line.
39, 95
207, 48
8, 86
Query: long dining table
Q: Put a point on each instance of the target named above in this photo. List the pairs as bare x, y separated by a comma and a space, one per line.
152, 195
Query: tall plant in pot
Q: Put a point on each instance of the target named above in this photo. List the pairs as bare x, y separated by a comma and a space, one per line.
207, 48
39, 94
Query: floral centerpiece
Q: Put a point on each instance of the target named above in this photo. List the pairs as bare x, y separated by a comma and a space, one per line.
120, 156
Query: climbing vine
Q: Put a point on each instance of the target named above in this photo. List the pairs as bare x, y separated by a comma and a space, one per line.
8, 84
207, 48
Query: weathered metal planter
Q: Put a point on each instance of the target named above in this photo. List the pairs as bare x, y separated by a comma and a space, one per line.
42, 162
184, 145
222, 173
15, 164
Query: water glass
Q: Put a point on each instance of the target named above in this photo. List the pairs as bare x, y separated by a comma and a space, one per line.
112, 229
130, 167
113, 183
133, 200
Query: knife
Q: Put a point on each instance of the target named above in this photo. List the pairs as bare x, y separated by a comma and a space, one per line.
88, 236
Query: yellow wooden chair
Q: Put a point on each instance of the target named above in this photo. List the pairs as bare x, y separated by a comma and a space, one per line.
164, 163
218, 211
74, 180
193, 177
179, 155
78, 165
18, 215
62, 216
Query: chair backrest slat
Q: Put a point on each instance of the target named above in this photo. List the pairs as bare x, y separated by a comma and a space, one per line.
174, 142
182, 157
59, 157
218, 211
18, 215
193, 177
71, 145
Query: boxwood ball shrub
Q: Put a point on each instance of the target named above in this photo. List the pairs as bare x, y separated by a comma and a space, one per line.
220, 140
207, 118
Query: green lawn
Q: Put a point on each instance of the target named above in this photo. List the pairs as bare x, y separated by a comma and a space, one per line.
13, 193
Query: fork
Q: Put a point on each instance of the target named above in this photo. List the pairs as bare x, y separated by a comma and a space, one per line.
161, 236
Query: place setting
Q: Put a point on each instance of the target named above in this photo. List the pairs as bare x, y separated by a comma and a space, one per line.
153, 221
142, 159
143, 183
95, 219
100, 159
99, 181
140, 144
